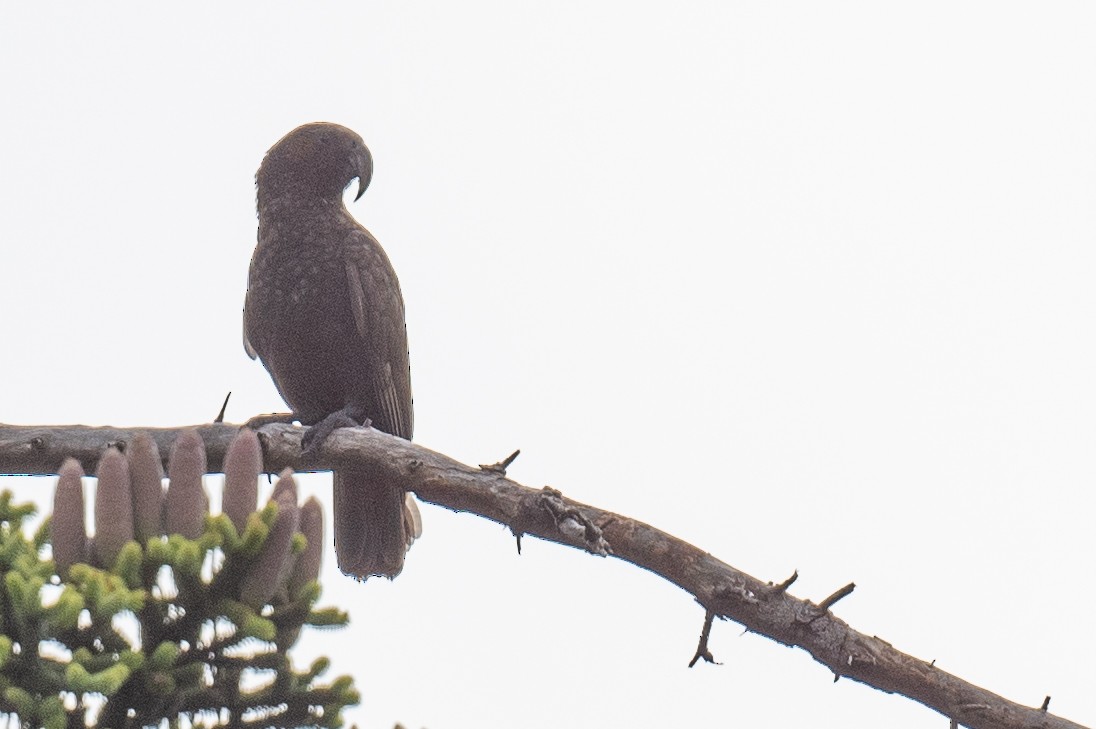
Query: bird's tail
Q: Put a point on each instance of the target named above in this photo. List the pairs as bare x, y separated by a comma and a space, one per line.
375, 524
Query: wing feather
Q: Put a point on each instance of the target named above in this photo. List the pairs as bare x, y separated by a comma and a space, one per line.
384, 334
247, 343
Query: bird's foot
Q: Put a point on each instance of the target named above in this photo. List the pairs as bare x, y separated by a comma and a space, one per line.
314, 437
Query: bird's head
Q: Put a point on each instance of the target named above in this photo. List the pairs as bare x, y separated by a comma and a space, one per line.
315, 161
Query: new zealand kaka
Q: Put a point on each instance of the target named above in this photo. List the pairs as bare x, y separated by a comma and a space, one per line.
325, 315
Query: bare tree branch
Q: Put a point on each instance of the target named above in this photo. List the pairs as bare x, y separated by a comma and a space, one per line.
723, 591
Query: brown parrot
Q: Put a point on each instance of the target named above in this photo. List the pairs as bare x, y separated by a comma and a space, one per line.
325, 315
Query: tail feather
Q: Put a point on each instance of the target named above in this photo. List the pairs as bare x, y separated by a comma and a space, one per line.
375, 523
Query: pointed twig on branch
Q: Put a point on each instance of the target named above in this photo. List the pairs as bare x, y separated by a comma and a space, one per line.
221, 415
783, 586
501, 466
718, 587
702, 647
842, 593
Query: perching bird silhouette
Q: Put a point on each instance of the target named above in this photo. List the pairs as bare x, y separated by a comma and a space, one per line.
325, 315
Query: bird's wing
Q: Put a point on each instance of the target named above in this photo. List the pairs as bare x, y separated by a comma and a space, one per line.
247, 344
380, 324
247, 338
412, 519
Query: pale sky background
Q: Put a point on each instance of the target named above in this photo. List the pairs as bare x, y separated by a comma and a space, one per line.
807, 284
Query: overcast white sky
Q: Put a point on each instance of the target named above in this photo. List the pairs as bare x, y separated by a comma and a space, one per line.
807, 284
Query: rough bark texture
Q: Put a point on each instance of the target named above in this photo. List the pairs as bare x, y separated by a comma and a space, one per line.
763, 608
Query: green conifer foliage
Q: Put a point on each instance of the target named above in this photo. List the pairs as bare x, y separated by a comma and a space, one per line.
174, 629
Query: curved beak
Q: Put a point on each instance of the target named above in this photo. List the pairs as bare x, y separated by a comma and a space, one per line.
363, 164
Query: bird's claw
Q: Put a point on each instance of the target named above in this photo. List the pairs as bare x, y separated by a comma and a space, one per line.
317, 434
